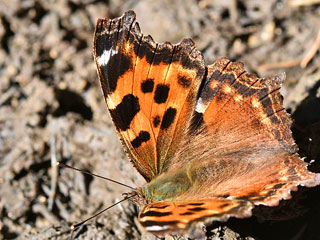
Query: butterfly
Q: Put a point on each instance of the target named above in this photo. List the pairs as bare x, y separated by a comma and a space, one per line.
212, 142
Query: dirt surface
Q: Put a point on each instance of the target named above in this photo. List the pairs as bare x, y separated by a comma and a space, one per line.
51, 108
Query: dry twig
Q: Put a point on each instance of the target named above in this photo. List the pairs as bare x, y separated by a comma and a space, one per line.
311, 52
284, 64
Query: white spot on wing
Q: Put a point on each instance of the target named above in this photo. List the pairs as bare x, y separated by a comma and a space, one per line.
105, 57
200, 108
156, 228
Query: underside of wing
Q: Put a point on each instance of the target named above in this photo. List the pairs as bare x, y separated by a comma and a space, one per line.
150, 89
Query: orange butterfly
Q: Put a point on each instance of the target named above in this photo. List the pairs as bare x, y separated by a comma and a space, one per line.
211, 141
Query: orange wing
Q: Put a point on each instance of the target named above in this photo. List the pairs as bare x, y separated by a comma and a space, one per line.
177, 217
240, 143
150, 89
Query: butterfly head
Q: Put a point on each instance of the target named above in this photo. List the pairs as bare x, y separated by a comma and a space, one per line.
137, 197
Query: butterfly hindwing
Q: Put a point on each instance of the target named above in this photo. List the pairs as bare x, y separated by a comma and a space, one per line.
150, 89
241, 146
163, 217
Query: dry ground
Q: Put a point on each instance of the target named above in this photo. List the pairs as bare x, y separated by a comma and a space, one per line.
51, 106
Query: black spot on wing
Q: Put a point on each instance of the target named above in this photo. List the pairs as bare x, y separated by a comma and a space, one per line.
110, 36
195, 204
156, 121
196, 209
144, 136
161, 93
184, 81
125, 111
147, 86
168, 118
154, 223
155, 214
186, 213
118, 65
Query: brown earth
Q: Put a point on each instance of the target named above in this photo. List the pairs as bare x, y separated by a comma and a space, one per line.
51, 107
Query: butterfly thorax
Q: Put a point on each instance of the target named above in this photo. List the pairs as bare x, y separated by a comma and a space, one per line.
167, 186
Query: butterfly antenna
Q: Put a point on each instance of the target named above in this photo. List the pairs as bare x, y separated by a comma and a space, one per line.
92, 174
75, 226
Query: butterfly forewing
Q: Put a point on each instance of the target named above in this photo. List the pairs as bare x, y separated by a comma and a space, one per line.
150, 89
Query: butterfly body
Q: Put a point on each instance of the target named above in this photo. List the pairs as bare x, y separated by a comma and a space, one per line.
211, 141
167, 186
